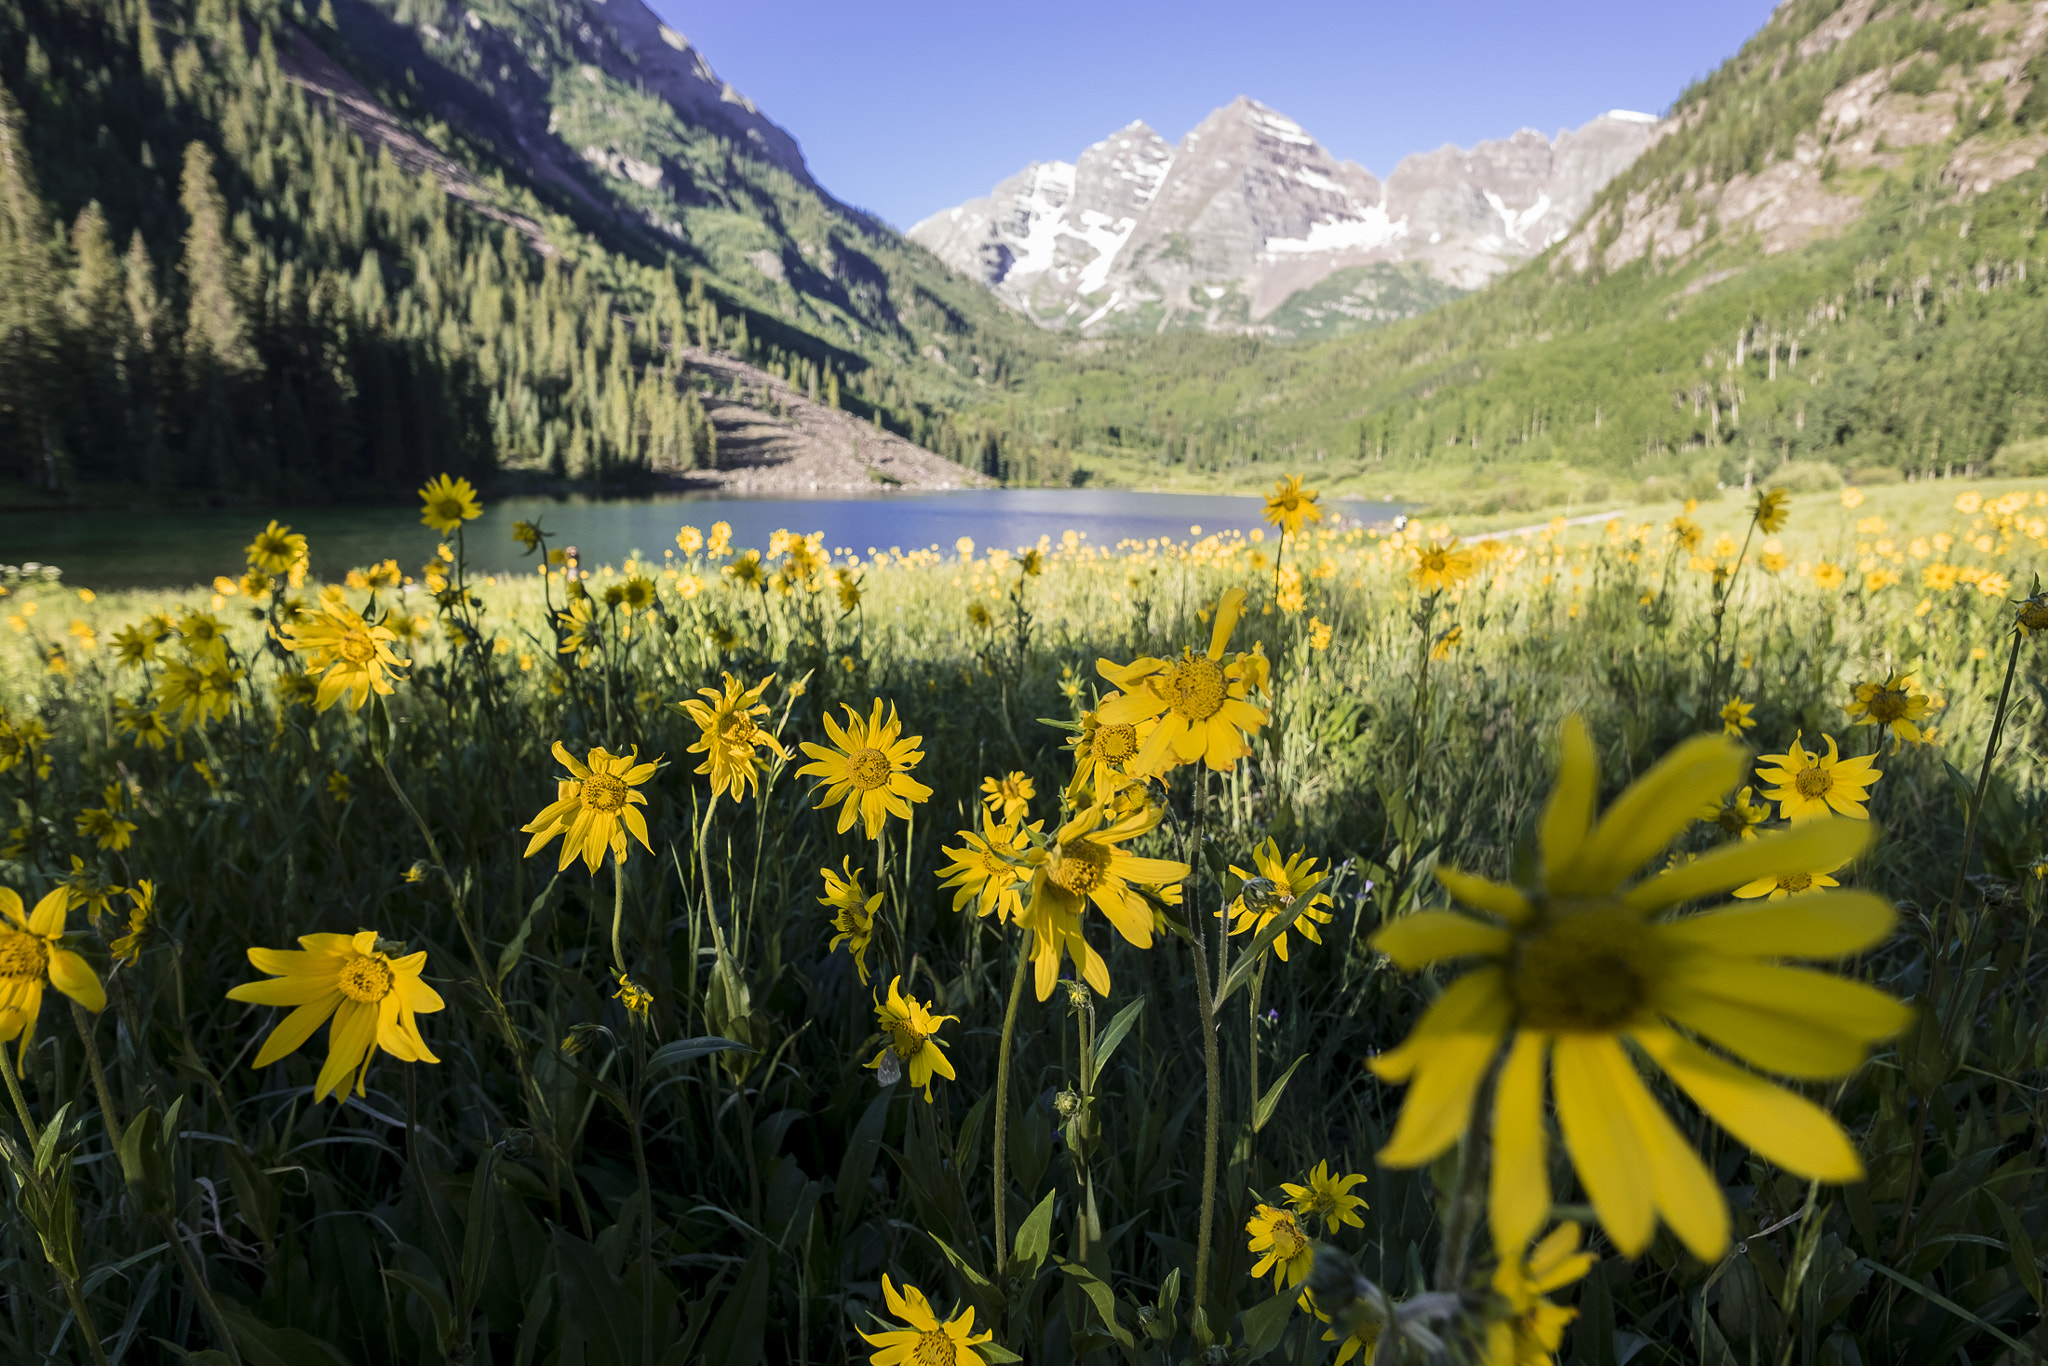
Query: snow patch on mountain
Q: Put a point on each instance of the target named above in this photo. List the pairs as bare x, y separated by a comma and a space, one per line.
1250, 202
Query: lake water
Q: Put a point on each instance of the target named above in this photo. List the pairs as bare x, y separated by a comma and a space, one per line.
106, 550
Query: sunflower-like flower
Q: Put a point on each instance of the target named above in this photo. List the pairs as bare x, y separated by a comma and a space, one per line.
1327, 1197
913, 1038
1893, 704
1583, 960
1533, 1328
445, 504
637, 1000
730, 735
926, 1340
1284, 1247
2030, 617
1773, 506
1735, 717
141, 920
1009, 796
746, 571
1102, 752
374, 1000
203, 637
352, 657
32, 956
528, 535
276, 549
104, 826
593, 808
989, 871
1197, 701
1085, 864
867, 768
1277, 885
1440, 565
1779, 886
1290, 505
136, 644
578, 629
1738, 816
853, 913
1809, 786
199, 694
143, 728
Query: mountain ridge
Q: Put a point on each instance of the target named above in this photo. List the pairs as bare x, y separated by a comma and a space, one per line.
1248, 209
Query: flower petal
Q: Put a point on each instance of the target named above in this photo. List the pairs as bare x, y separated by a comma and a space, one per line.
296, 1028
1820, 925
354, 1033
1778, 1125
71, 975
1681, 1186
1815, 844
1425, 937
1519, 1200
1487, 895
1444, 1060
1588, 1072
1651, 813
1568, 816
47, 919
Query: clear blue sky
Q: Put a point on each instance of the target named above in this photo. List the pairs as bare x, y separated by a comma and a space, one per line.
910, 106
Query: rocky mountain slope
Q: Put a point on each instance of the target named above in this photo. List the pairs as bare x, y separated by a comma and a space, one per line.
1249, 211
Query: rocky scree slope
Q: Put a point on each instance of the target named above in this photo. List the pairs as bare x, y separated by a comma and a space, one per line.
1249, 211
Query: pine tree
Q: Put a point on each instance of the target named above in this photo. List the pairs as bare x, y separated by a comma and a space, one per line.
216, 321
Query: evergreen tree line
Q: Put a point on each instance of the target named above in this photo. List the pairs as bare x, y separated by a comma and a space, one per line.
210, 287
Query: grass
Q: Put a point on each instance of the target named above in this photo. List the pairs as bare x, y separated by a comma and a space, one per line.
574, 1181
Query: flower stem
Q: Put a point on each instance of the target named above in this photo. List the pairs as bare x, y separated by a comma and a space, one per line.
1212, 1078
1002, 1137
207, 1305
1955, 897
639, 1027
618, 912
108, 1115
28, 1125
91, 1332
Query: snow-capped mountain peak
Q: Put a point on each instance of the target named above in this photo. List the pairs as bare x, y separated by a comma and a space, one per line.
1250, 209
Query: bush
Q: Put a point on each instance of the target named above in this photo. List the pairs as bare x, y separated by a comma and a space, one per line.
2021, 458
1872, 475
1805, 476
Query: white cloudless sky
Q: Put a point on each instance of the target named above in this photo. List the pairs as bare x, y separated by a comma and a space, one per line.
910, 106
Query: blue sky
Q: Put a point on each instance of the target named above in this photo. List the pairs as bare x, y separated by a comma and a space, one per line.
911, 106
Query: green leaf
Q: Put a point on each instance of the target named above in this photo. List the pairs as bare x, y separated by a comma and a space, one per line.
1102, 1298
1263, 1111
509, 959
1263, 1323
738, 1334
686, 1050
1248, 962
2025, 1353
1106, 1044
436, 1302
967, 1147
858, 1164
1034, 1237
969, 1274
2022, 1247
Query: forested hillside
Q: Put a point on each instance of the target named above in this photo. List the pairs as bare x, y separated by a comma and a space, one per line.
1833, 257
242, 256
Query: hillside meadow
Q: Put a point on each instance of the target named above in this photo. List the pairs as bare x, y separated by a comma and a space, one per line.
1609, 943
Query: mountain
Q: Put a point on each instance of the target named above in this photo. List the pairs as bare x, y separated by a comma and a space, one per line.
253, 249
1829, 262
1249, 212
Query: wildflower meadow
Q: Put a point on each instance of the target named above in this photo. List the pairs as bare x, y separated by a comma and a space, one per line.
1606, 943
